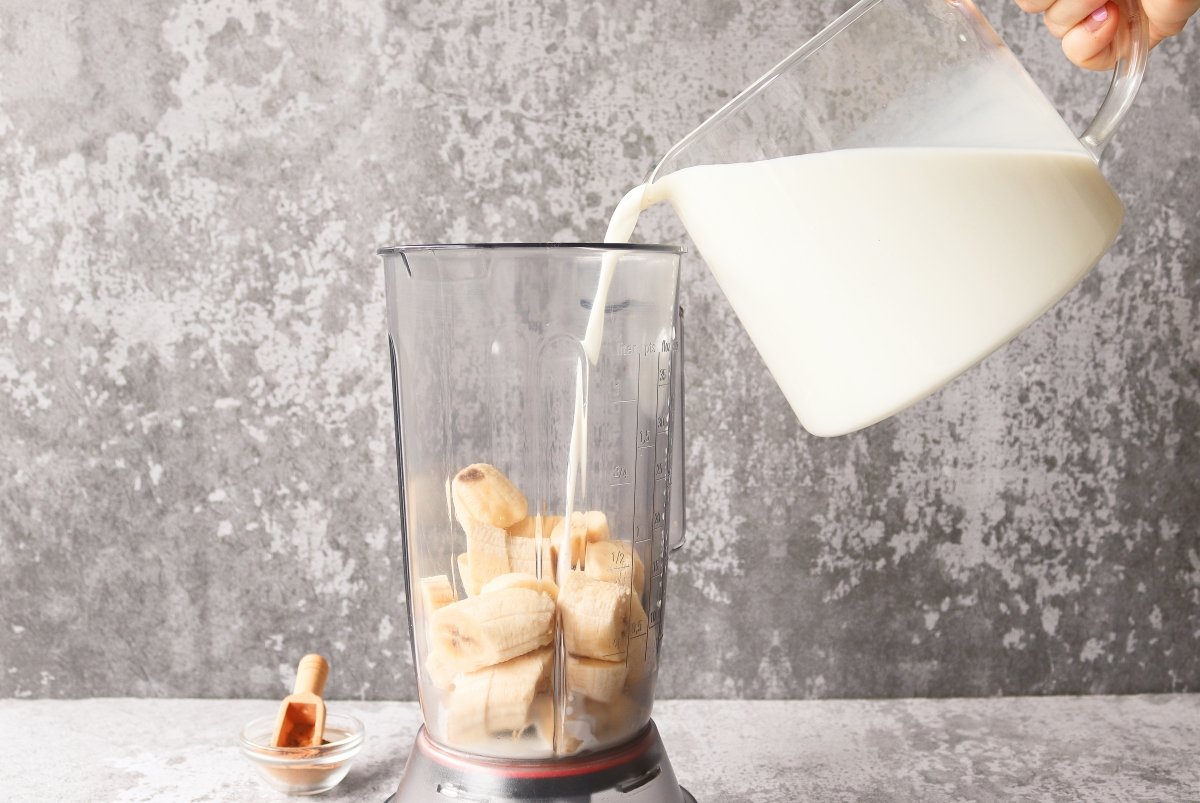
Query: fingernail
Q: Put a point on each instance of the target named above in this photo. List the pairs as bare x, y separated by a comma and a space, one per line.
1096, 19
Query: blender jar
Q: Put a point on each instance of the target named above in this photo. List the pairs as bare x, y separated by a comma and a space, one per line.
535, 486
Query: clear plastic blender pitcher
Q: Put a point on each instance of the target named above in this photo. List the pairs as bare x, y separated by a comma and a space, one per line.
894, 201
537, 502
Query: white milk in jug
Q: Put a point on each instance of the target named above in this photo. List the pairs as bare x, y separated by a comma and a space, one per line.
862, 274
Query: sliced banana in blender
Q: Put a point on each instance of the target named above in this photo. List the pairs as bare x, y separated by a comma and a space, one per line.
594, 616
599, 680
490, 629
482, 493
492, 552
495, 701
615, 562
523, 556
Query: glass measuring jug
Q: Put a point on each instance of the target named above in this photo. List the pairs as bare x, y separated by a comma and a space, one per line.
535, 485
893, 202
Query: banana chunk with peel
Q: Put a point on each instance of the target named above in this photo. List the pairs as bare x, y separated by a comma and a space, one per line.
594, 616
494, 701
486, 630
616, 562
482, 493
521, 580
599, 680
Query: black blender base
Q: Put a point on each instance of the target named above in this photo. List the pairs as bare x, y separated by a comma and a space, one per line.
635, 772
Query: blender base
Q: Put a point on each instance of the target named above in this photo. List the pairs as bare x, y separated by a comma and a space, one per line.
638, 770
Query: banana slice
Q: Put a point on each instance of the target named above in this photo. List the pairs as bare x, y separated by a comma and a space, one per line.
615, 562
596, 524
436, 592
573, 545
486, 630
492, 552
586, 528
545, 661
594, 617
599, 680
487, 550
482, 493
523, 556
468, 579
442, 676
495, 701
521, 580
528, 526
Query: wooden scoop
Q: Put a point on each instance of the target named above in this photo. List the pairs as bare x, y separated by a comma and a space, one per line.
301, 721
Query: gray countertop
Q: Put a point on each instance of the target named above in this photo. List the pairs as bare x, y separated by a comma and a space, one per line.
1047, 748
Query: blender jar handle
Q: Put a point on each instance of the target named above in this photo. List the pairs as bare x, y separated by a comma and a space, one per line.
676, 504
1133, 46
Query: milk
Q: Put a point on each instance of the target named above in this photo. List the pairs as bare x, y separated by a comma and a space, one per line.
869, 277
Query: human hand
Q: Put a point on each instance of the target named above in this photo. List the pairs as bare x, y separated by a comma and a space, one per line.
1088, 28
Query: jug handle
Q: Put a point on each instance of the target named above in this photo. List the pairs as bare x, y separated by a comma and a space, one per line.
1133, 47
676, 512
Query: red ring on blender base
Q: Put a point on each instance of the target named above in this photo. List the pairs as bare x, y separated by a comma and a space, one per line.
640, 766
558, 768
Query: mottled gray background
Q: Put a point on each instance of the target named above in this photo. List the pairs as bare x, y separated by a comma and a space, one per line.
196, 472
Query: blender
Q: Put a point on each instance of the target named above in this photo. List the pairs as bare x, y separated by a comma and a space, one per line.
537, 513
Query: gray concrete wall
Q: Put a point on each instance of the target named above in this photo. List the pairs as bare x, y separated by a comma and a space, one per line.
196, 473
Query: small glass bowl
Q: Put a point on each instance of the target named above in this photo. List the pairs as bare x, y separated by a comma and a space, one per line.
303, 770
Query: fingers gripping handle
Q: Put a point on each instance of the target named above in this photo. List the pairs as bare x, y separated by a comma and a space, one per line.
1132, 46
